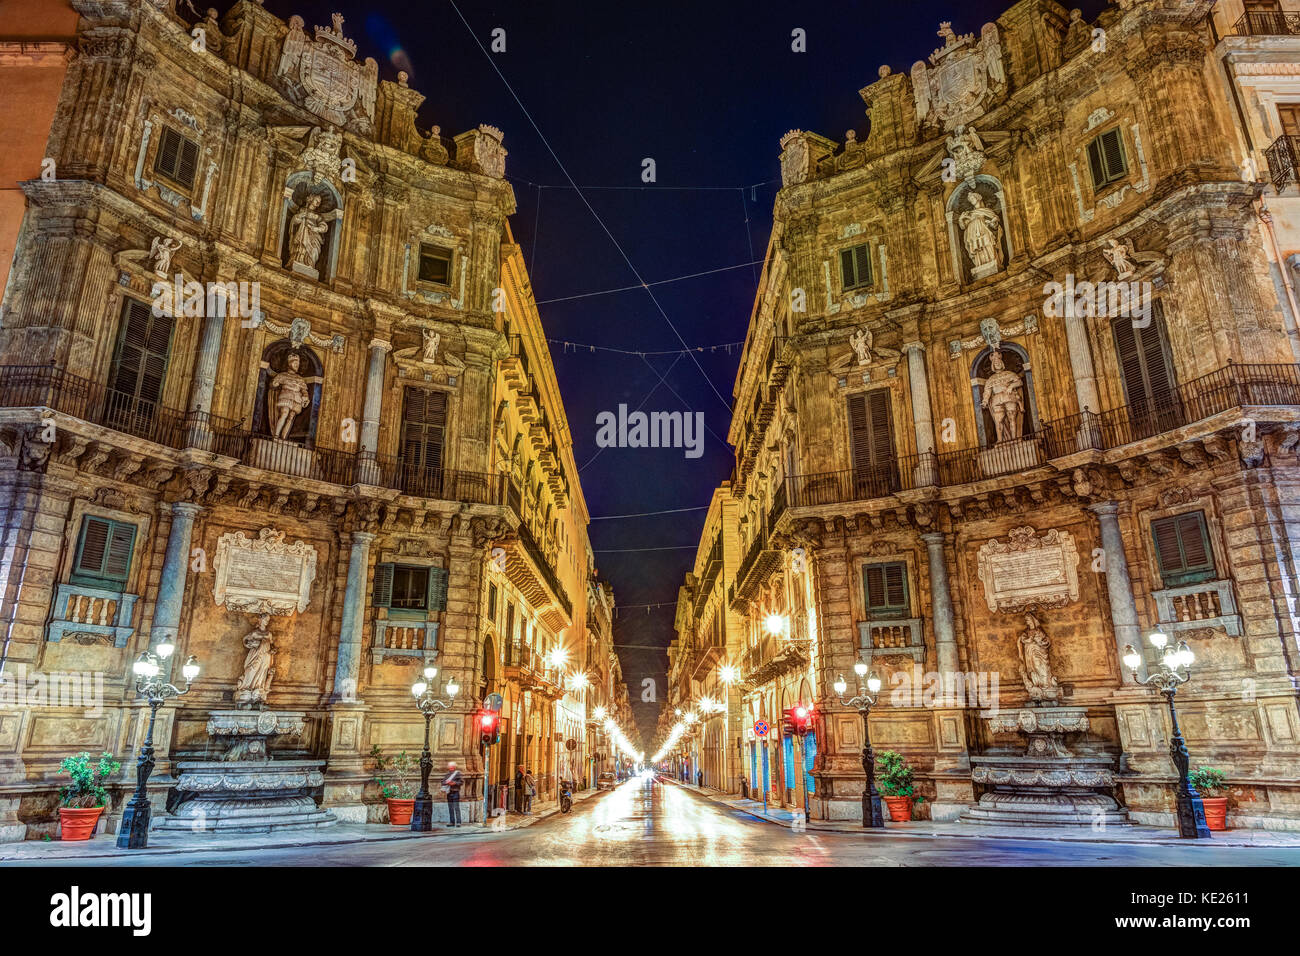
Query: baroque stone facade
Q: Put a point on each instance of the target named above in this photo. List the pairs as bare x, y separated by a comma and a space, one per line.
274, 388
1017, 391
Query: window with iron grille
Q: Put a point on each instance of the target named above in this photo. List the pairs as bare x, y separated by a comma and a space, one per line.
1183, 553
884, 590
103, 553
177, 158
855, 267
1106, 159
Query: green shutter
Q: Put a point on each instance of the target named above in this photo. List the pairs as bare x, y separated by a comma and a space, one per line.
382, 593
104, 552
862, 260
1183, 554
437, 589
848, 280
885, 589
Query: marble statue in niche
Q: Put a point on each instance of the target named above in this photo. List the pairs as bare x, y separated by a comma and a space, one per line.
307, 231
289, 396
430, 347
1004, 399
982, 236
1035, 662
255, 683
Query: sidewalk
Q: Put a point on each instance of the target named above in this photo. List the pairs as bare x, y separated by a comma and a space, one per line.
926, 829
168, 843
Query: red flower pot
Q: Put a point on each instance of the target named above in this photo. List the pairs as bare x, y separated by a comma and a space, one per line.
399, 812
1216, 812
78, 823
900, 808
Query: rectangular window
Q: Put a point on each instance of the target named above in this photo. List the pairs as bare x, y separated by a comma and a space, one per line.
424, 423
1288, 115
884, 590
1147, 374
871, 437
178, 157
435, 264
1183, 549
855, 267
510, 623
1106, 159
139, 367
492, 603
407, 587
103, 553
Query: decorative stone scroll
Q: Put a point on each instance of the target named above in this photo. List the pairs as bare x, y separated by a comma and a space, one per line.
992, 334
1030, 569
298, 332
266, 576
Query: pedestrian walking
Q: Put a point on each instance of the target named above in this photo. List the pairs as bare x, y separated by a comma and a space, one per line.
519, 789
451, 787
699, 778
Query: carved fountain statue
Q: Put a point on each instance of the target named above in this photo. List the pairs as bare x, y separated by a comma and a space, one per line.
244, 789
1047, 784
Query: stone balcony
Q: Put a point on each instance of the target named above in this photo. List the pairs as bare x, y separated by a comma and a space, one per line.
1193, 607
404, 641
886, 637
92, 615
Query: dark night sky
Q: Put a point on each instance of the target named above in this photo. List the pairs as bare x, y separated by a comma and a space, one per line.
707, 90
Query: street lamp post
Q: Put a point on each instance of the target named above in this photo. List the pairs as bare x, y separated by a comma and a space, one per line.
150, 683
872, 816
1173, 660
422, 813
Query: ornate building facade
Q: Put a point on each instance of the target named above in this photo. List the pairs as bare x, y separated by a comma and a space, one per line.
274, 388
1018, 390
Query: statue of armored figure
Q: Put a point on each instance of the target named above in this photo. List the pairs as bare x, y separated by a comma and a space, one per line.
255, 683
1004, 398
289, 395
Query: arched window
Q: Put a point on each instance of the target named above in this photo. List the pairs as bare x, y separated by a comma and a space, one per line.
1015, 360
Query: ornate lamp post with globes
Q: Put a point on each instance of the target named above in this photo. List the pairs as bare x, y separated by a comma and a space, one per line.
422, 812
871, 811
150, 683
1189, 808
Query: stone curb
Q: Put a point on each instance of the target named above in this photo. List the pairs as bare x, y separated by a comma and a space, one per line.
104, 847
990, 833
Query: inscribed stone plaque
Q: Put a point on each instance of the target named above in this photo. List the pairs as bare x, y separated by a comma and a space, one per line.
266, 576
1030, 569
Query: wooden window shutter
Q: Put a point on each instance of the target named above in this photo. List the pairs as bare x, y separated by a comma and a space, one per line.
143, 351
1112, 151
424, 422
188, 162
1147, 373
94, 545
1095, 164
1183, 552
862, 261
104, 552
382, 592
117, 558
846, 269
510, 623
169, 147
885, 587
882, 427
437, 589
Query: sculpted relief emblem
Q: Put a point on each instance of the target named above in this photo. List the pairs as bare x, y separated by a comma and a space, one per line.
324, 75
794, 158
962, 76
263, 576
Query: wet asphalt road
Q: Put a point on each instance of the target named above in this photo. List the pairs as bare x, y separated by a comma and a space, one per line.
648, 823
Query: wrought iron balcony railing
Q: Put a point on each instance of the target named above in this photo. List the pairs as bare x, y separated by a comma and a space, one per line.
1264, 23
1283, 162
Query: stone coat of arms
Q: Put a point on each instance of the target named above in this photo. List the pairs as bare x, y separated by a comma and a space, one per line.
324, 75
962, 76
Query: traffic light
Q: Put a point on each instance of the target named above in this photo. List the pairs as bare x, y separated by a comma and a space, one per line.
489, 725
796, 720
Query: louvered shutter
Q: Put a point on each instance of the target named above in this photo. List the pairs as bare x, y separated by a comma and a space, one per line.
886, 588
895, 586
424, 424
437, 589
140, 367
104, 552
117, 558
510, 623
873, 578
188, 161
1095, 164
862, 263
1149, 387
94, 545
1112, 152
169, 147
382, 592
846, 269
1183, 549
872, 437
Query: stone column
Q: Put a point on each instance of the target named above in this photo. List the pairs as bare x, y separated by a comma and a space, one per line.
176, 565
369, 468
1119, 588
1085, 377
205, 380
945, 641
922, 417
348, 667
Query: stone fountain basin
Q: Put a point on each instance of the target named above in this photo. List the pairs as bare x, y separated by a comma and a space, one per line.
248, 796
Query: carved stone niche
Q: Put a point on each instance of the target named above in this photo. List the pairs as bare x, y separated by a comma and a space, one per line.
263, 576
1030, 569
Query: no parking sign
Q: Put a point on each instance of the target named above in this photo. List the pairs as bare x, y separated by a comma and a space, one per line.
760, 728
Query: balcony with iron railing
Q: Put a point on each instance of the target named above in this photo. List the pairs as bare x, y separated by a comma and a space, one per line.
1283, 158
26, 386
1232, 387
1268, 23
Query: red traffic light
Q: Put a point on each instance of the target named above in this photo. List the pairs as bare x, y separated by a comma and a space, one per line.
489, 727
796, 719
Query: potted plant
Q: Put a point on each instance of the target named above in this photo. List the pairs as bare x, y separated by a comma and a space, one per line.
83, 800
399, 787
894, 778
1212, 785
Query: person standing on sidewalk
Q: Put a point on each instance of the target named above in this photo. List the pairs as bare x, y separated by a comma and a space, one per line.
530, 791
519, 789
451, 787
